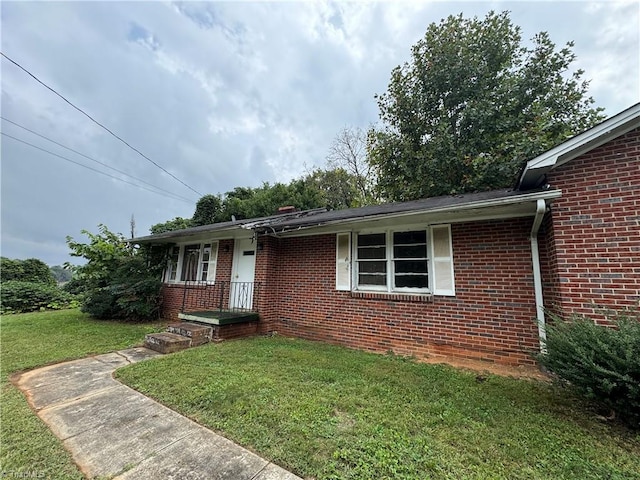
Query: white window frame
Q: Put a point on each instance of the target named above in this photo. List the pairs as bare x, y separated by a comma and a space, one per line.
390, 262
212, 263
433, 262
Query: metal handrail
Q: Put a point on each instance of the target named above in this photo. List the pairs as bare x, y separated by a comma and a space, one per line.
207, 296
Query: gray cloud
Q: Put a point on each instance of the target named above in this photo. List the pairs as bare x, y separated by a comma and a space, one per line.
223, 95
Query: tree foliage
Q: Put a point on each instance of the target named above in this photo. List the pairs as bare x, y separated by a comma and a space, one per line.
337, 188
245, 202
208, 209
19, 296
472, 106
29, 270
29, 285
117, 280
178, 223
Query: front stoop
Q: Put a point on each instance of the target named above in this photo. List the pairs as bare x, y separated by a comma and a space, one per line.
199, 334
166, 342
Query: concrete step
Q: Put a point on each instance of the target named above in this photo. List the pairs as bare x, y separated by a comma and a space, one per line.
166, 342
199, 334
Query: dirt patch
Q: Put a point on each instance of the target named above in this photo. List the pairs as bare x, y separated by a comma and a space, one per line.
523, 371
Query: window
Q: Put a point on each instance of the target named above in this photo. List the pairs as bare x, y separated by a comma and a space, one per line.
393, 261
192, 262
372, 263
209, 260
172, 267
412, 261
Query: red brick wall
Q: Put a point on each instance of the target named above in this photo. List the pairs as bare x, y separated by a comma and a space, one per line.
491, 317
267, 263
592, 235
173, 294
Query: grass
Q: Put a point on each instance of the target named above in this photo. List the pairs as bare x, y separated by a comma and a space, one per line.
325, 412
27, 446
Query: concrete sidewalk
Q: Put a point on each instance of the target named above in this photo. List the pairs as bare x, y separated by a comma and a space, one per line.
114, 431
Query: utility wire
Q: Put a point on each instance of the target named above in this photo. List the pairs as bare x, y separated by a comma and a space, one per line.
94, 160
89, 168
98, 123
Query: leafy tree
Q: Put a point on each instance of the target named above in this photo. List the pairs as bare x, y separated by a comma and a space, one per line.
177, 223
472, 106
337, 188
208, 209
29, 270
118, 281
244, 202
29, 285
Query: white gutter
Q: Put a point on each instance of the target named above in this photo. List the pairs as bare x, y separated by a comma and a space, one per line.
541, 208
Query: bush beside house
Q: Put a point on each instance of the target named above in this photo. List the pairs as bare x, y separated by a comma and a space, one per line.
601, 362
117, 281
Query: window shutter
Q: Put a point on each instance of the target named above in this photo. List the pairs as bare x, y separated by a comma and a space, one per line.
343, 261
209, 262
442, 255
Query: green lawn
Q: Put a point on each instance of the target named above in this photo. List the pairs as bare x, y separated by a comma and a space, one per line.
27, 447
326, 412
321, 411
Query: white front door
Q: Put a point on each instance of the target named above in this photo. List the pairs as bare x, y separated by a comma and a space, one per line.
242, 274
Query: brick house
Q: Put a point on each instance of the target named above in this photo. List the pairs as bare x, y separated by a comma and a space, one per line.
468, 276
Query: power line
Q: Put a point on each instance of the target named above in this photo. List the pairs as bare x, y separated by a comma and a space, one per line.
98, 123
94, 160
89, 168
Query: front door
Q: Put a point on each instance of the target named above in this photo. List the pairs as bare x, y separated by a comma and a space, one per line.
242, 274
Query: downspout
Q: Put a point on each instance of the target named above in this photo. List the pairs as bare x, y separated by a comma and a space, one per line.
541, 208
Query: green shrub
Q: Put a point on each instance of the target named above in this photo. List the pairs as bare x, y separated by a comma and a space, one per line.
132, 293
29, 270
117, 280
602, 363
17, 296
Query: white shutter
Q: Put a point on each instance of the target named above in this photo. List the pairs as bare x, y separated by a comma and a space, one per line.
209, 260
442, 261
343, 261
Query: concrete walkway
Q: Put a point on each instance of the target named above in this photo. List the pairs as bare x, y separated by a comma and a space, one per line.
114, 431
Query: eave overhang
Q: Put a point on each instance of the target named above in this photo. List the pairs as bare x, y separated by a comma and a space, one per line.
457, 209
533, 175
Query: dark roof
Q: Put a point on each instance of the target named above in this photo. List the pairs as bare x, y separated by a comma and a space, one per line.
308, 218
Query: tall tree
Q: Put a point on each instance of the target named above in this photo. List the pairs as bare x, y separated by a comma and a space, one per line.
348, 152
472, 106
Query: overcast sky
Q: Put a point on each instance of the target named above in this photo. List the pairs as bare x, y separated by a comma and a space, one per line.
222, 95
